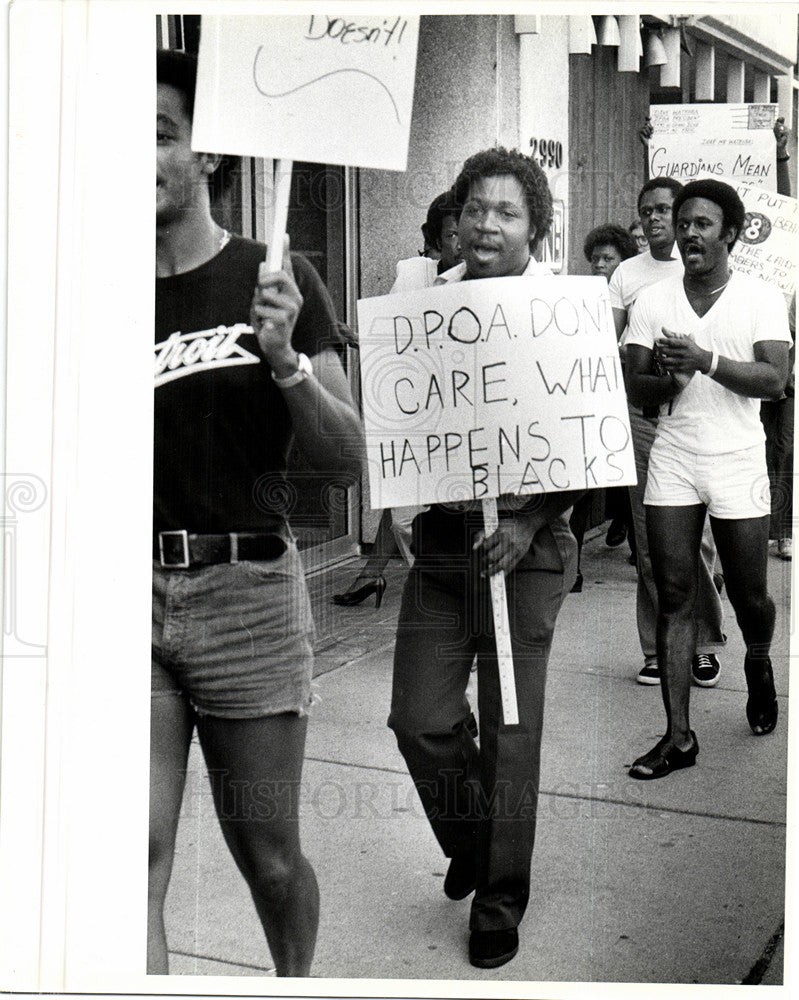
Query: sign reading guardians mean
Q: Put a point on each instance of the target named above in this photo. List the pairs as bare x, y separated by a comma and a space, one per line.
731, 142
500, 386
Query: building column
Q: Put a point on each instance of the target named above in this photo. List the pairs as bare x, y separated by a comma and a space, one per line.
629, 56
705, 71
762, 90
785, 85
735, 81
670, 73
544, 124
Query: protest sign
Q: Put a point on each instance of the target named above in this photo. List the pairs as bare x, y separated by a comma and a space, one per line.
315, 87
767, 244
732, 142
481, 388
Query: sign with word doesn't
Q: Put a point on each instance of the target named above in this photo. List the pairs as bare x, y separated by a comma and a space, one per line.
315, 87
731, 142
766, 246
499, 386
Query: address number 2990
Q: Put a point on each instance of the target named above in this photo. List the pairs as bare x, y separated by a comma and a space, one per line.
548, 152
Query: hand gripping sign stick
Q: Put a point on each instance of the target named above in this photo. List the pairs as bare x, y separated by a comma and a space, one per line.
499, 604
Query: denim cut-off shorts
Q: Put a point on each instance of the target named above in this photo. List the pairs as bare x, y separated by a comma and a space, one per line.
234, 638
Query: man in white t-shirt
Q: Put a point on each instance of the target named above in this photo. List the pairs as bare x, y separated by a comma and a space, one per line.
707, 348
655, 200
631, 277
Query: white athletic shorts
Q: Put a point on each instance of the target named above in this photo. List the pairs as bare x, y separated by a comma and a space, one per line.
732, 485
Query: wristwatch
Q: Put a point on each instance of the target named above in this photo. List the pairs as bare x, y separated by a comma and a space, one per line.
304, 369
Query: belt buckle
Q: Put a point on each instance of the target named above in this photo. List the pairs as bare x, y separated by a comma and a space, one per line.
183, 535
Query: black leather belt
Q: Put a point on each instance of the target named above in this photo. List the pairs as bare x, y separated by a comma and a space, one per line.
180, 550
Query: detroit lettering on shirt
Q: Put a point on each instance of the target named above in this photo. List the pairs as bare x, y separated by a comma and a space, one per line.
222, 429
188, 353
705, 417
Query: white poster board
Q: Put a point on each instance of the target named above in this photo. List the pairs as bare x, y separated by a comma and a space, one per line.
732, 142
481, 388
767, 244
317, 87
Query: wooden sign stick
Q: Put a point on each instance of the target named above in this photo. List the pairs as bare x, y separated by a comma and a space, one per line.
274, 253
499, 603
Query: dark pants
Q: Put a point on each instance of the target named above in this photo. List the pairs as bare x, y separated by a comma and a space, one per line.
480, 801
777, 417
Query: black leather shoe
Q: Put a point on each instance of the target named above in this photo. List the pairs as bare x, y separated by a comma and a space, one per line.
490, 949
461, 877
761, 706
617, 532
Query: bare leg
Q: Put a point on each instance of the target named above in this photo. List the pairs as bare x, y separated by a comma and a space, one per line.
743, 549
370, 579
385, 546
171, 725
255, 767
675, 535
643, 431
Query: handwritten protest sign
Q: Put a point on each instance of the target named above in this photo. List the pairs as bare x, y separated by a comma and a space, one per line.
481, 388
732, 142
318, 87
767, 244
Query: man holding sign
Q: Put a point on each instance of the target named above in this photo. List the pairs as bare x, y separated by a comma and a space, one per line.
722, 340
482, 803
243, 362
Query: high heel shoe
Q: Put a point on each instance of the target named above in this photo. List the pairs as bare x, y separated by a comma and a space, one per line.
352, 597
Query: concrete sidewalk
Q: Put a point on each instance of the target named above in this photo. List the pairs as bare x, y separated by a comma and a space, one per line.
616, 860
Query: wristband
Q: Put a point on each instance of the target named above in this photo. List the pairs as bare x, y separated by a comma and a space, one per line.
714, 363
304, 369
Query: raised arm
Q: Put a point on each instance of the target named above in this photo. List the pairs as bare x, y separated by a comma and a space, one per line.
324, 418
644, 135
326, 424
781, 134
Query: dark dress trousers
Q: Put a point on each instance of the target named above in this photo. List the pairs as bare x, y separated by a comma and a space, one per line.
479, 800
